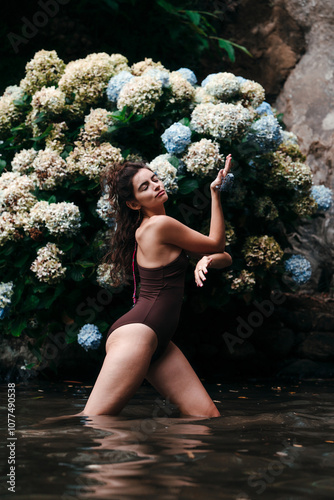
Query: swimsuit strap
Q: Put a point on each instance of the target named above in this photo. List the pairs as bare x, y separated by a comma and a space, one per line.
134, 276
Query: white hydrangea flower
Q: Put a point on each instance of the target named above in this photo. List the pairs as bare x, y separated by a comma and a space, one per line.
22, 161
201, 96
223, 86
182, 91
140, 94
105, 211
56, 139
15, 192
221, 121
97, 123
203, 157
43, 70
7, 227
91, 161
47, 265
58, 218
140, 67
49, 169
49, 100
6, 292
108, 278
166, 172
253, 93
86, 79
10, 113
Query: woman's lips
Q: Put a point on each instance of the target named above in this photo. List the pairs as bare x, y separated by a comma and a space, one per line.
160, 193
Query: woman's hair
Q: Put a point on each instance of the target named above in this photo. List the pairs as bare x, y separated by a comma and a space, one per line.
117, 184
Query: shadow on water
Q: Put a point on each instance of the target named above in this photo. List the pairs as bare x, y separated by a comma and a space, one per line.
270, 442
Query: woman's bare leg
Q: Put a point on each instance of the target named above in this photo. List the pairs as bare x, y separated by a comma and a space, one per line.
175, 379
129, 351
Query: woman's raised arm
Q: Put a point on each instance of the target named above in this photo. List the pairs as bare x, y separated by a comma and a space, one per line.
171, 231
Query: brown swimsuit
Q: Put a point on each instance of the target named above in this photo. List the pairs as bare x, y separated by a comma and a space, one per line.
159, 302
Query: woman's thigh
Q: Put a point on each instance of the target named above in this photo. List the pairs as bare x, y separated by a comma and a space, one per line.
173, 376
129, 352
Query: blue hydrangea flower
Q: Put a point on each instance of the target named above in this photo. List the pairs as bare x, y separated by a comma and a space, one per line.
116, 83
176, 138
299, 267
264, 109
241, 79
89, 337
188, 75
323, 196
207, 79
265, 134
6, 292
160, 75
4, 312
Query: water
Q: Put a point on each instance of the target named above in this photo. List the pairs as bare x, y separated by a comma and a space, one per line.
270, 443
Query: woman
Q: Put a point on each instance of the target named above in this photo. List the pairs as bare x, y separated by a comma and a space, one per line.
138, 344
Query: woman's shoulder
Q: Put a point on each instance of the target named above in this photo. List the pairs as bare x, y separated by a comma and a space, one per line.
154, 223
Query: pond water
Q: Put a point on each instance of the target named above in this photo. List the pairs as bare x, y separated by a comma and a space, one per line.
271, 442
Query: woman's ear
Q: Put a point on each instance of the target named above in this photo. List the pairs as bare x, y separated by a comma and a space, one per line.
134, 205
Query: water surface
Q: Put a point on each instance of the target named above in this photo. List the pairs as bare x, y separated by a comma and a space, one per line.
271, 442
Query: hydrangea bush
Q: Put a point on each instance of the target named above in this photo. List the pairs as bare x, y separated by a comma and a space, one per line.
64, 124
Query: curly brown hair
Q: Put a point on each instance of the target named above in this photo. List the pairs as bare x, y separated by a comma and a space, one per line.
117, 184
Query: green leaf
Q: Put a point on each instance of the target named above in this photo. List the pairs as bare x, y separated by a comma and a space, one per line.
76, 275
20, 261
174, 161
52, 199
226, 45
84, 263
30, 303
188, 186
167, 6
17, 326
194, 16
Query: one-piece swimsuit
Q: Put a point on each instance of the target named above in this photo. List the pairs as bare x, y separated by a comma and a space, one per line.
159, 302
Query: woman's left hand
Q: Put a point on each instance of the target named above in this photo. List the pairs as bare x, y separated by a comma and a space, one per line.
222, 173
201, 269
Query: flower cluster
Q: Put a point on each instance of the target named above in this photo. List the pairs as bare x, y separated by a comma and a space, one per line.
287, 174
48, 100
265, 135
58, 218
304, 206
245, 282
15, 192
223, 86
22, 161
89, 337
203, 157
6, 292
299, 267
44, 70
140, 94
182, 91
323, 197
221, 121
86, 79
188, 75
159, 74
202, 97
97, 123
105, 210
265, 208
10, 112
47, 265
141, 67
116, 83
166, 172
176, 138
8, 227
91, 161
265, 109
262, 251
56, 139
49, 169
252, 94
107, 277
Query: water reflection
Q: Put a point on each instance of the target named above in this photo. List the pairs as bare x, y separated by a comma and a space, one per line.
268, 444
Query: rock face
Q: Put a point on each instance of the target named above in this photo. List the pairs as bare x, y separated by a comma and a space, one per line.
307, 102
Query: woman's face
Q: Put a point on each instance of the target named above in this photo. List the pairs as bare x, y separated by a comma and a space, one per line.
148, 189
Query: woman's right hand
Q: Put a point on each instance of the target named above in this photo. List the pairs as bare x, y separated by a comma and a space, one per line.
222, 174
